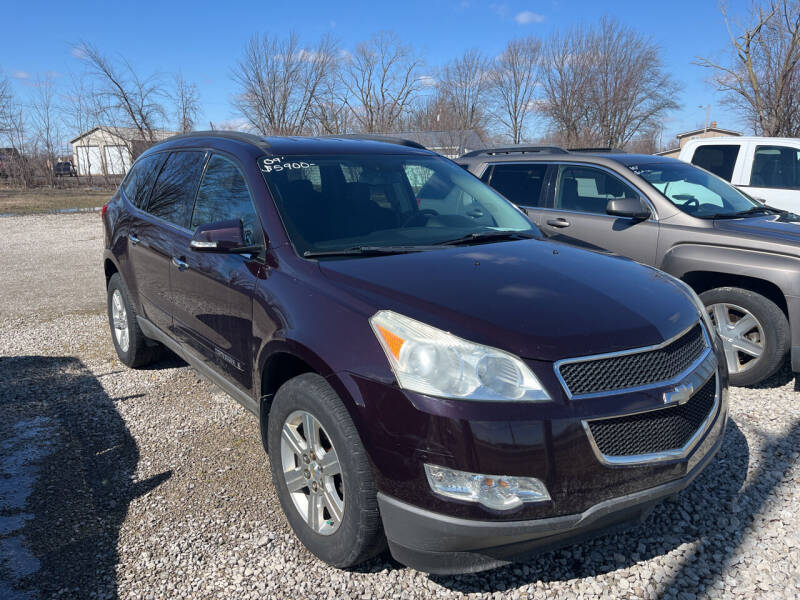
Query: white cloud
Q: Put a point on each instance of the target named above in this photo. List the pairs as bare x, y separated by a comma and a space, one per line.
20, 75
527, 17
235, 124
427, 81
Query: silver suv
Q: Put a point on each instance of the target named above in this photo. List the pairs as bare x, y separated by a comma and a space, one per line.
740, 256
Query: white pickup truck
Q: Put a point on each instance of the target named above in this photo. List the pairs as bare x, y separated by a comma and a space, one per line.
767, 169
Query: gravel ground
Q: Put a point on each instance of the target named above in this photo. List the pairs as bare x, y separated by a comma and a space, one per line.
153, 484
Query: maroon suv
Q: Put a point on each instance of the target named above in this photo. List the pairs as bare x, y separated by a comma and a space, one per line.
426, 369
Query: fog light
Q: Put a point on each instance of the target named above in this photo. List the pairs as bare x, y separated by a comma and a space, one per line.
499, 492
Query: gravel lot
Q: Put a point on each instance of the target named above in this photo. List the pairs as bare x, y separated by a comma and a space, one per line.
153, 484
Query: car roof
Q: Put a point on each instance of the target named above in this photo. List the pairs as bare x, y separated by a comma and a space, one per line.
298, 145
599, 158
738, 139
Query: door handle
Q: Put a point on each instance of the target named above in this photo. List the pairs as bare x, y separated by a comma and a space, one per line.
132, 237
182, 266
559, 222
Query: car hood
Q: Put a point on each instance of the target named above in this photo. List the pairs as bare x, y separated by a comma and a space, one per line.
537, 299
785, 228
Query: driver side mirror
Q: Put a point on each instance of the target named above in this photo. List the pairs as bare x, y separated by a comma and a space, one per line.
221, 237
632, 208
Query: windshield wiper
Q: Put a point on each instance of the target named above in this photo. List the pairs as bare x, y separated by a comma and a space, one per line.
483, 236
368, 251
746, 213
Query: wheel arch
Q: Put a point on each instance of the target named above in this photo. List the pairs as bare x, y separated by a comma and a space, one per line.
282, 360
702, 281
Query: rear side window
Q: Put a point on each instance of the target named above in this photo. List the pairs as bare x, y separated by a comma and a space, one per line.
521, 183
586, 189
223, 195
139, 182
776, 167
174, 190
719, 159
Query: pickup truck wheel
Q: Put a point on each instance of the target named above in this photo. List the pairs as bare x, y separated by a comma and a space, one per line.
754, 332
133, 348
321, 473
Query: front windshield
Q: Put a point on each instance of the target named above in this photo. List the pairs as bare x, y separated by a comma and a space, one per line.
694, 191
330, 203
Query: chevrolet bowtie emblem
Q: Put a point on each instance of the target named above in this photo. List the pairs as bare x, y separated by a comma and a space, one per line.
680, 395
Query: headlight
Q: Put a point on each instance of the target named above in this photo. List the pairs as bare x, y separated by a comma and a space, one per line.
430, 361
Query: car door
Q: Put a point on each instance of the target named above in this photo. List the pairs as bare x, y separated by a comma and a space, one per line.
159, 227
775, 175
523, 183
133, 263
576, 213
213, 293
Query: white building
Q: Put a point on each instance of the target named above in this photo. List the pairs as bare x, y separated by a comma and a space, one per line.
109, 150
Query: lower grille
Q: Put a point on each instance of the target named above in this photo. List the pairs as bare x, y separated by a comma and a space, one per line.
655, 431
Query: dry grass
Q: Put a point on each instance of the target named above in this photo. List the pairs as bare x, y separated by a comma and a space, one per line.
21, 202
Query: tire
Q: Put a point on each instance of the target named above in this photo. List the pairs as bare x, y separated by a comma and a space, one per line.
139, 350
358, 534
771, 332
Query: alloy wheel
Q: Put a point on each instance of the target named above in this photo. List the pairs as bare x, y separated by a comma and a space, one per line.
119, 317
312, 472
741, 333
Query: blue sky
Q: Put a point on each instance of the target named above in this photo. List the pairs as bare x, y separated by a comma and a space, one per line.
204, 39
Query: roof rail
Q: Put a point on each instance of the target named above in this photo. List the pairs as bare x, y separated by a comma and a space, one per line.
600, 150
516, 150
241, 136
374, 137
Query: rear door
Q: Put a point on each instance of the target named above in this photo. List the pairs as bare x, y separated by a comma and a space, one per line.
145, 274
577, 214
774, 175
213, 293
522, 183
161, 228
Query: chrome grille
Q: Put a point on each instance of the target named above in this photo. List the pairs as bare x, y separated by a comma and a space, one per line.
656, 431
635, 368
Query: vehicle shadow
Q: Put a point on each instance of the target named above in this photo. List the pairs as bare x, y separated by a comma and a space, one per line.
67, 462
704, 509
781, 377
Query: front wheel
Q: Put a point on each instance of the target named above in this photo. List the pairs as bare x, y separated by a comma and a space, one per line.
321, 473
754, 332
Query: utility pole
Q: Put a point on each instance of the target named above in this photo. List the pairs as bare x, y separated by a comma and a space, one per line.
708, 116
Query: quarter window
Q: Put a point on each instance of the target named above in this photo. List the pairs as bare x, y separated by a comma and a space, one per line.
521, 183
223, 195
719, 159
584, 189
139, 182
776, 167
175, 187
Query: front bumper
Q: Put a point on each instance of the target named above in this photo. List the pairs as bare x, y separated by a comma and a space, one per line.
442, 544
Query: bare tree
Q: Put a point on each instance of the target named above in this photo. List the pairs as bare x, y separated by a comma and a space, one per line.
5, 101
187, 103
380, 80
514, 78
279, 80
83, 112
126, 97
464, 85
45, 114
330, 114
762, 77
604, 84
